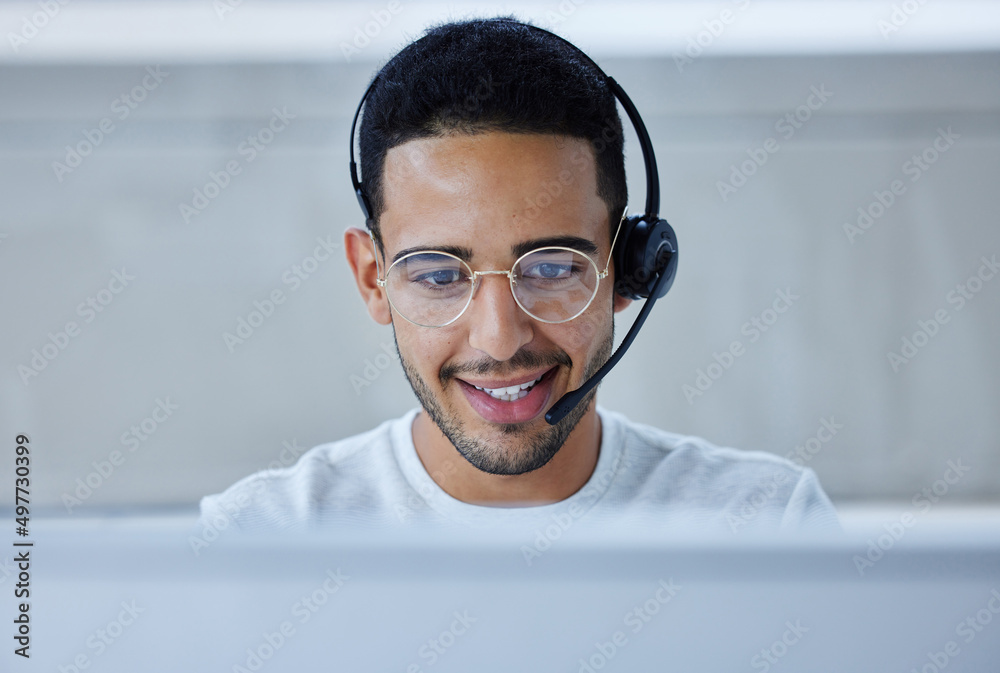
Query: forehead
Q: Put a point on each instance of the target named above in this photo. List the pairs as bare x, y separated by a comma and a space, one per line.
489, 191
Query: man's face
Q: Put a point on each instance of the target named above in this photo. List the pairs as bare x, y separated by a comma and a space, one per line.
489, 198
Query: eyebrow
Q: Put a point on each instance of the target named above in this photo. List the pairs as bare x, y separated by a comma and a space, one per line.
517, 250
462, 253
575, 242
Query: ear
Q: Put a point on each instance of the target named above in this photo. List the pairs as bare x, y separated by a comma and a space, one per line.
621, 303
360, 251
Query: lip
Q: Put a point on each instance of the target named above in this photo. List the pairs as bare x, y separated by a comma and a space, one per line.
506, 383
519, 411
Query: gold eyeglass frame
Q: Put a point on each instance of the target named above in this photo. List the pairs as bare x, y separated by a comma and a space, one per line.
476, 275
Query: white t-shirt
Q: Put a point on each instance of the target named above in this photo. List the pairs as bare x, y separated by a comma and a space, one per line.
643, 474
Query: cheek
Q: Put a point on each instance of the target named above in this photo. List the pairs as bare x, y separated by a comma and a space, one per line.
599, 319
582, 337
588, 332
426, 350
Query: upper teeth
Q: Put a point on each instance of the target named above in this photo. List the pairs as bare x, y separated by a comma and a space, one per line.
510, 392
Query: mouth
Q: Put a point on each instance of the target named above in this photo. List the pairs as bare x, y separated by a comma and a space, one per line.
510, 393
510, 401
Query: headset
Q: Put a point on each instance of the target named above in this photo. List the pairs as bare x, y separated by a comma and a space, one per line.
645, 254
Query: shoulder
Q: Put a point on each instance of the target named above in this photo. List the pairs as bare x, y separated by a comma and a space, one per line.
693, 454
336, 476
739, 487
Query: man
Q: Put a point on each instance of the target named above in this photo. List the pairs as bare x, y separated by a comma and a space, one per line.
492, 158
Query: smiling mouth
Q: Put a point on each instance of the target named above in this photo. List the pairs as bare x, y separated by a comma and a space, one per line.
510, 393
516, 403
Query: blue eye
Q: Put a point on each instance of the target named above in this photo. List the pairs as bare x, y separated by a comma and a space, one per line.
439, 277
550, 270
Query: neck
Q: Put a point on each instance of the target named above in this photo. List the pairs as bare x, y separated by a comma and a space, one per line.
561, 477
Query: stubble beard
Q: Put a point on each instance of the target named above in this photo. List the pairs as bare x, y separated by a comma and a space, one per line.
537, 446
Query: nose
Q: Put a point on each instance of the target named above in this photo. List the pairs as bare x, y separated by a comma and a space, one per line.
497, 325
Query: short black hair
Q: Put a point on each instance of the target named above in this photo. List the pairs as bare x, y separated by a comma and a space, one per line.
495, 74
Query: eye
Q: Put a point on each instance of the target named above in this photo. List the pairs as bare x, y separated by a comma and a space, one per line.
432, 271
439, 277
549, 270
550, 266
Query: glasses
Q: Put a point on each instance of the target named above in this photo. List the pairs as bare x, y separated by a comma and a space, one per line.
552, 285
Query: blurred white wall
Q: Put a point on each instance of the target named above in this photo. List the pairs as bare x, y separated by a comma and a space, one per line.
159, 344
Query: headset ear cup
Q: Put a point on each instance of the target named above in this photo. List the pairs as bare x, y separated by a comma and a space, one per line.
645, 250
625, 262
661, 251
